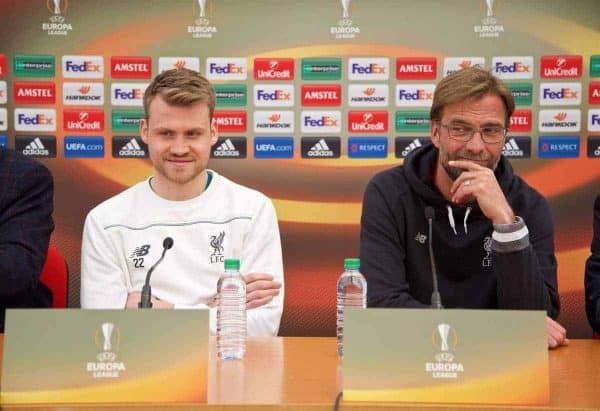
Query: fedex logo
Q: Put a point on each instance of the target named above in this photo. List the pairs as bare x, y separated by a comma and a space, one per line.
218, 68
83, 120
34, 92
594, 93
557, 94
368, 121
131, 67
594, 120
230, 121
321, 121
127, 94
368, 68
83, 66
414, 95
168, 63
520, 121
321, 95
513, 68
273, 69
453, 64
561, 66
416, 68
274, 95
35, 120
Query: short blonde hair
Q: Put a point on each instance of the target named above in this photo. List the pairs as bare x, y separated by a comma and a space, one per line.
181, 87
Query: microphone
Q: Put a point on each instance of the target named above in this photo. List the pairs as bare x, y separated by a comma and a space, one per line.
436, 298
146, 289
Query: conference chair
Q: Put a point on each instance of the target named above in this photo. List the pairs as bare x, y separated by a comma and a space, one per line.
55, 275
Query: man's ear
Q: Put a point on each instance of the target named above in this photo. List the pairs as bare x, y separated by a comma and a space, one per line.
435, 134
144, 130
214, 132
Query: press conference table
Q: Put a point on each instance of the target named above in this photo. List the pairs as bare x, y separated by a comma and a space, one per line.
299, 373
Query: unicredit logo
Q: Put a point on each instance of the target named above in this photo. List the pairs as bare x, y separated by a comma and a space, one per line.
273, 69
368, 121
561, 66
83, 120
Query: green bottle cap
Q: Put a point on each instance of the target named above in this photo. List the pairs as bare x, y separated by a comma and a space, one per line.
352, 263
232, 264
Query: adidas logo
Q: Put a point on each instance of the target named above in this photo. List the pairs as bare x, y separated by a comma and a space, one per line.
512, 149
226, 149
321, 149
36, 148
413, 144
132, 149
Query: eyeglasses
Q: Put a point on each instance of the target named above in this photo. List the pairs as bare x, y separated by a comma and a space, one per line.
464, 132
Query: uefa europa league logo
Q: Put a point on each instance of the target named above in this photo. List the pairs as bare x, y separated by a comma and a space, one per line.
346, 20
490, 7
202, 20
105, 335
107, 329
444, 330
54, 7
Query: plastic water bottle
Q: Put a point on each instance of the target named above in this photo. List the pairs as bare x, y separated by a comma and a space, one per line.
231, 313
351, 293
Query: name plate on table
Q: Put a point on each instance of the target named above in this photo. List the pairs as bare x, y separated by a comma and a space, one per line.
100, 356
446, 356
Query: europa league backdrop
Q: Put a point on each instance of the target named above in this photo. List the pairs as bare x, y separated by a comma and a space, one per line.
314, 98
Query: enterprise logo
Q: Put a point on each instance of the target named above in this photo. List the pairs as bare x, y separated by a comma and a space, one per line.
367, 147
83, 67
558, 147
273, 147
36, 65
126, 120
368, 68
513, 68
84, 147
521, 92
321, 69
230, 95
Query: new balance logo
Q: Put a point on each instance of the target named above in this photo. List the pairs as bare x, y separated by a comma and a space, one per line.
138, 255
140, 251
36, 148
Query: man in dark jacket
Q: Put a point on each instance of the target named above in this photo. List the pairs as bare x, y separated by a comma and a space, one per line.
493, 234
592, 274
26, 192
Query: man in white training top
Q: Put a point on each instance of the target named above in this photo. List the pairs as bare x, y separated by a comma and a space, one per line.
209, 218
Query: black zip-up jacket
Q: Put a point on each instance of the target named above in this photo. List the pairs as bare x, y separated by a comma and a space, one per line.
592, 274
479, 265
